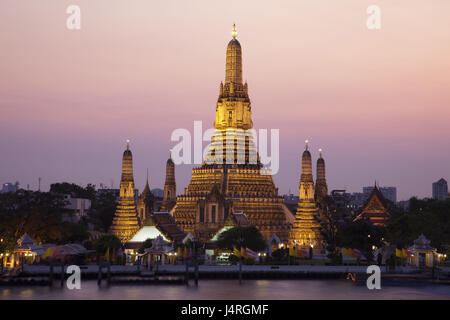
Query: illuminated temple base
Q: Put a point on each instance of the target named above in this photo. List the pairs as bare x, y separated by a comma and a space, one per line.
216, 191
125, 223
305, 232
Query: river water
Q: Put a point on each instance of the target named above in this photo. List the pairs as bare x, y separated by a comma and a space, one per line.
230, 289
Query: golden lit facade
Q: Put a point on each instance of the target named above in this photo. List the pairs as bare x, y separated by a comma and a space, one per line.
231, 177
125, 222
306, 228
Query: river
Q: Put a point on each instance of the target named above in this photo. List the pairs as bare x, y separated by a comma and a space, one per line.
230, 289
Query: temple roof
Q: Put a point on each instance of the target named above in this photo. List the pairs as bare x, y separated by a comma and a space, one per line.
376, 193
25, 240
422, 243
167, 225
147, 232
146, 193
375, 208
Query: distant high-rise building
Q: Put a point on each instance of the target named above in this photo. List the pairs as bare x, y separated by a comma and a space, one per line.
356, 200
440, 189
341, 205
341, 198
10, 187
390, 193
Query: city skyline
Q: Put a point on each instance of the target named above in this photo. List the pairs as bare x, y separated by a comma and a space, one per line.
376, 115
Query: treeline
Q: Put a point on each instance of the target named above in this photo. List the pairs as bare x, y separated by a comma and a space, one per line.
40, 214
429, 217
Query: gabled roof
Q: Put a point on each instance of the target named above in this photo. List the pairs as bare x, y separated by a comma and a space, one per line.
167, 225
25, 240
159, 224
376, 194
147, 232
375, 208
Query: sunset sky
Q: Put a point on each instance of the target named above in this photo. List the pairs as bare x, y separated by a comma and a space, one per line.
376, 101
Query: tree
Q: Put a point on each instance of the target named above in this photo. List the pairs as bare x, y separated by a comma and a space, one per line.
37, 213
75, 190
328, 220
429, 217
247, 237
146, 244
103, 209
74, 233
362, 235
332, 217
104, 242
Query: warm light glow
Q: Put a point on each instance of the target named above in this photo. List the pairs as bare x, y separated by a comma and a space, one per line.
234, 32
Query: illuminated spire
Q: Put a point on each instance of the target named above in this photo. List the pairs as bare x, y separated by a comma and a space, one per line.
234, 32
306, 144
233, 72
320, 153
128, 144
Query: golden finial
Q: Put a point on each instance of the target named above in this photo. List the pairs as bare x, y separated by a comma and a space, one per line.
234, 32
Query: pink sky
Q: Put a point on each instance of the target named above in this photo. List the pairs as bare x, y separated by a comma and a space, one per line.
377, 102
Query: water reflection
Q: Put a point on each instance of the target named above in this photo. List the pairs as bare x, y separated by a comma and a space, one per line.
230, 289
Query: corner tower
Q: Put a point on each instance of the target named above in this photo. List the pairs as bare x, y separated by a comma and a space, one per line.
170, 187
125, 222
321, 181
306, 228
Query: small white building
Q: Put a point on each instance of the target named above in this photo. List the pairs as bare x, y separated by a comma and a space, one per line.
422, 254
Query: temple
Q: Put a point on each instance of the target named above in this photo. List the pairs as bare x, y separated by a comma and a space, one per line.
231, 178
125, 222
306, 228
375, 209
